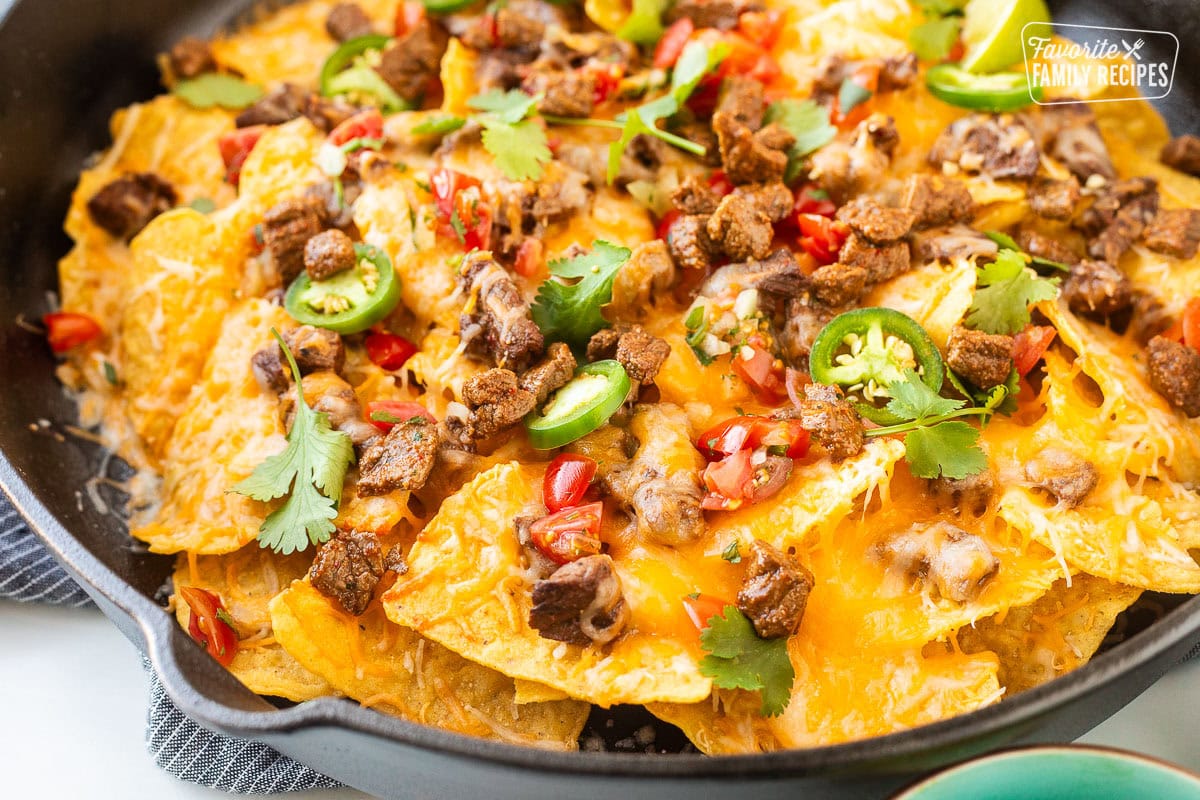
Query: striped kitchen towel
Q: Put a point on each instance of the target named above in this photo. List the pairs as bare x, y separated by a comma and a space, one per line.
178, 745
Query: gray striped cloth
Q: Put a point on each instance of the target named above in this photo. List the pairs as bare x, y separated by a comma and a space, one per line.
178, 745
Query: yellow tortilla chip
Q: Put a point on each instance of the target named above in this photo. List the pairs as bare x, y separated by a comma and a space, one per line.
466, 589
246, 581
841, 697
1057, 633
933, 295
385, 666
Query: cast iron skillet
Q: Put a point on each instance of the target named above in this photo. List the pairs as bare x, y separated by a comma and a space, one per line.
64, 66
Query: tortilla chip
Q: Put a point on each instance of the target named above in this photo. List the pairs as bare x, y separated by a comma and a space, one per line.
246, 581
391, 668
1057, 633
840, 698
933, 295
467, 590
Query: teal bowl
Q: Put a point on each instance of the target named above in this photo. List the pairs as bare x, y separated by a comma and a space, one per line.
1059, 773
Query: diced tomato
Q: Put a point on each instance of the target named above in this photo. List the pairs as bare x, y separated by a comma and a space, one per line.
795, 381
393, 412
812, 200
570, 534
66, 330
747, 59
1030, 345
664, 225
607, 79
388, 350
363, 125
761, 372
529, 259
701, 608
703, 101
463, 212
408, 16
728, 476
235, 148
821, 237
865, 75
719, 182
566, 481
1190, 324
748, 432
673, 40
761, 27
957, 51
206, 625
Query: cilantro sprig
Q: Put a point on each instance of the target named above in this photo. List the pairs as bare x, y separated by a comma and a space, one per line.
936, 442
808, 122
311, 470
738, 659
516, 142
570, 311
1007, 287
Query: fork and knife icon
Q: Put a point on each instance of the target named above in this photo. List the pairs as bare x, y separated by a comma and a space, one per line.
1131, 50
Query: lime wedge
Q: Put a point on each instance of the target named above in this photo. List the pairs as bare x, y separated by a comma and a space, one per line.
992, 32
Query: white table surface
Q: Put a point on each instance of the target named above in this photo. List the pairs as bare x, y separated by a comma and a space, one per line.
70, 683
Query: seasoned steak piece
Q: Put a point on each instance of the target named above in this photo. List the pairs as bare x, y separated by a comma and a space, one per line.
954, 242
1175, 373
1068, 132
1053, 199
335, 212
773, 199
1036, 243
496, 401
566, 93
409, 64
934, 200
126, 205
641, 354
1097, 289
1174, 231
518, 31
315, 349
282, 105
739, 229
550, 373
561, 193
1148, 319
327, 392
751, 157
1066, 476
347, 21
689, 243
971, 494
779, 276
847, 167
957, 564
497, 324
400, 460
270, 371
647, 276
805, 319
1118, 237
327, 254
881, 263
774, 591
287, 227
1183, 153
581, 603
719, 14
347, 569
838, 284
743, 99
898, 72
984, 359
1000, 146
831, 421
190, 57
876, 224
695, 196
1137, 196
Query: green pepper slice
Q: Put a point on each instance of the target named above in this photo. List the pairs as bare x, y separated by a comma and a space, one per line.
866, 350
340, 74
1000, 91
577, 409
447, 6
350, 301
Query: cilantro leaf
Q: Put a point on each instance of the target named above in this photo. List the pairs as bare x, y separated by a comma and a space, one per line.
738, 659
1007, 289
217, 89
808, 122
203, 204
644, 23
913, 399
948, 448
941, 7
696, 325
520, 150
311, 468
510, 107
733, 552
933, 40
851, 95
438, 125
570, 312
697, 60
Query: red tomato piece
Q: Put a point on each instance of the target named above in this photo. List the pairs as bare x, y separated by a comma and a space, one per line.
567, 480
748, 432
703, 101
1191, 323
393, 412
719, 182
813, 200
529, 259
701, 608
208, 623
728, 476
66, 330
786, 433
408, 16
673, 40
664, 225
389, 351
363, 125
1030, 345
821, 237
761, 373
464, 213
235, 148
607, 79
761, 27
570, 534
